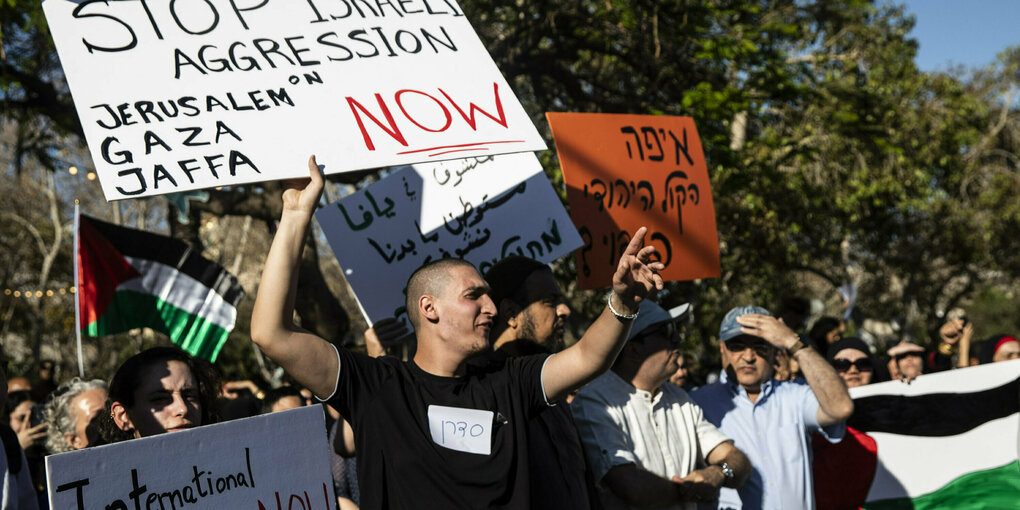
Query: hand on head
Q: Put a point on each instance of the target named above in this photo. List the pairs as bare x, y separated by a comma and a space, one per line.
770, 329
637, 274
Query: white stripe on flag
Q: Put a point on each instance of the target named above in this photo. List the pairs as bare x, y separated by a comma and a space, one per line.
180, 290
912, 466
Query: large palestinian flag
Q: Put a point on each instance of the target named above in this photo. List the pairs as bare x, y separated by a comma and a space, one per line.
947, 440
131, 279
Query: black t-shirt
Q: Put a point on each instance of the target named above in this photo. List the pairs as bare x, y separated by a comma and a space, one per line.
389, 403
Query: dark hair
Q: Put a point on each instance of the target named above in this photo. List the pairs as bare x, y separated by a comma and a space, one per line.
428, 279
132, 372
820, 329
507, 277
14, 399
276, 394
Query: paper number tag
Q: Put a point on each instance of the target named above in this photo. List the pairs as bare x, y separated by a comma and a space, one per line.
464, 430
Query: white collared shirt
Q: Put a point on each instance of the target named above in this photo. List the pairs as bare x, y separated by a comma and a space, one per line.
665, 433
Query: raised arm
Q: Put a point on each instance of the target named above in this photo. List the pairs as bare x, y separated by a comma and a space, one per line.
834, 403
635, 277
305, 356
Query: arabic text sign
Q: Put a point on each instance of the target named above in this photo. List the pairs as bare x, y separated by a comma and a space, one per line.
175, 96
261, 462
477, 209
628, 171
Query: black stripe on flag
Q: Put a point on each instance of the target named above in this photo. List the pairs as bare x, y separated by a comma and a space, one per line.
935, 414
171, 252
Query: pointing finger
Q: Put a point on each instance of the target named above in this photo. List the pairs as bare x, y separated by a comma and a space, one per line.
635, 242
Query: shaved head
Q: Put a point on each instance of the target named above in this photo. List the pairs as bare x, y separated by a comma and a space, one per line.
430, 279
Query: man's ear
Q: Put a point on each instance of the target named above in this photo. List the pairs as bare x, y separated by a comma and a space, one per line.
120, 417
509, 312
427, 308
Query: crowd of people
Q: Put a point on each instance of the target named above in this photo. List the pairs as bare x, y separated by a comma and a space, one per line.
613, 421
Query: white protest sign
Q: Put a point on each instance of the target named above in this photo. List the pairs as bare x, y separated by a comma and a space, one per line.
176, 96
266, 462
477, 209
464, 430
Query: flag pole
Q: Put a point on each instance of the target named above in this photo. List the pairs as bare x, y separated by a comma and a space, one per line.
77, 290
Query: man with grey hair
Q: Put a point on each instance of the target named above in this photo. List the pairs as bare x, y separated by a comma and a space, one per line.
70, 411
772, 421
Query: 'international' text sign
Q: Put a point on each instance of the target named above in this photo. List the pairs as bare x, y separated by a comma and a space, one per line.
477, 209
176, 96
261, 462
628, 171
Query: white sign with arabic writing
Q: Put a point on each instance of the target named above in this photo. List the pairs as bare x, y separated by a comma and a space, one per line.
477, 209
176, 96
261, 462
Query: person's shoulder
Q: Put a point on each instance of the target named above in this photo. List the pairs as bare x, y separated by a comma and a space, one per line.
604, 384
707, 391
499, 362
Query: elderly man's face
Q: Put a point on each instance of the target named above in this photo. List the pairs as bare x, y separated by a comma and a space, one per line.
659, 347
748, 360
84, 407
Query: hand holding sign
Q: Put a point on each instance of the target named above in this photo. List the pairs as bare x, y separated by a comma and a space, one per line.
637, 274
302, 195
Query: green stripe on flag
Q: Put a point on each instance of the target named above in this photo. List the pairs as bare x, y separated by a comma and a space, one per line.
130, 310
990, 489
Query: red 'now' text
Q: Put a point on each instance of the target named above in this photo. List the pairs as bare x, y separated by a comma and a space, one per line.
425, 111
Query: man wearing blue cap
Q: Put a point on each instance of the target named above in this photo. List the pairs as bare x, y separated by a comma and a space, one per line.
772, 421
647, 442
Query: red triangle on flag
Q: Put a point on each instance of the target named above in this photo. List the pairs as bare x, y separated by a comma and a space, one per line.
101, 269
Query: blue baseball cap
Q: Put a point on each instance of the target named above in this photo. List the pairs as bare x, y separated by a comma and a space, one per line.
730, 328
650, 314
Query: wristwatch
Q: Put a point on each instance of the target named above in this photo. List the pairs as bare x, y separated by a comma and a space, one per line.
727, 471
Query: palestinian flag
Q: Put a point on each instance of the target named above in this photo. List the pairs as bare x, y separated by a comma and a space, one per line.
130, 279
947, 440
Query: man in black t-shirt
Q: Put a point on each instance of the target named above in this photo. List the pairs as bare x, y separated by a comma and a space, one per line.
437, 432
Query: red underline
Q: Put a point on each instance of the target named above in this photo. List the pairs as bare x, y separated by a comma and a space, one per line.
456, 146
458, 150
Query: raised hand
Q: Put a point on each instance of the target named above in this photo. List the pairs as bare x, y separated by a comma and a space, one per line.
636, 275
384, 334
302, 195
30, 436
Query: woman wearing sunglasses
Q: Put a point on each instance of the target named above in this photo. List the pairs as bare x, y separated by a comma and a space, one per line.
852, 361
833, 488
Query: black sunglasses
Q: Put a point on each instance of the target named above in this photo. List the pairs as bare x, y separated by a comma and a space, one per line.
843, 365
760, 348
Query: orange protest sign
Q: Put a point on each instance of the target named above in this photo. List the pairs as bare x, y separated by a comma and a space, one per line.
627, 171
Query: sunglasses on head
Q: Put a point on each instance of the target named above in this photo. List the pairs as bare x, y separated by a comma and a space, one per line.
907, 355
843, 365
739, 345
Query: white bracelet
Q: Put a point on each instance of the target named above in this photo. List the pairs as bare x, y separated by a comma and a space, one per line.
619, 315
